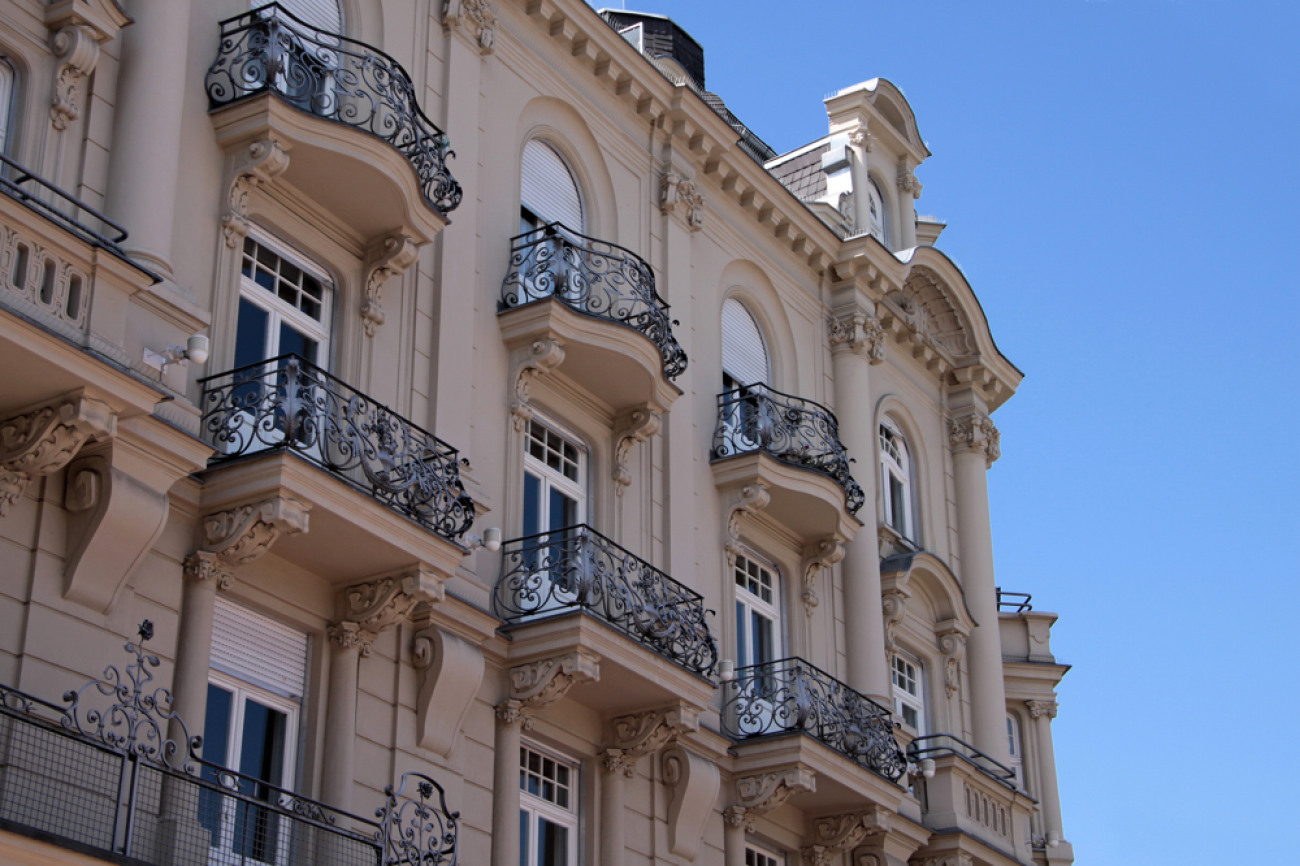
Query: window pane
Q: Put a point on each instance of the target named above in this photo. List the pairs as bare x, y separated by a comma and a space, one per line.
216, 738
262, 753
764, 640
564, 510
532, 504
523, 838
297, 343
552, 844
250, 336
742, 636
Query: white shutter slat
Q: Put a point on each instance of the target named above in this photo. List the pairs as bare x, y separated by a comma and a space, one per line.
547, 188
744, 355
321, 14
258, 649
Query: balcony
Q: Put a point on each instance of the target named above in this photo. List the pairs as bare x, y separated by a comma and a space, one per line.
792, 447
575, 589
257, 416
586, 294
330, 98
98, 775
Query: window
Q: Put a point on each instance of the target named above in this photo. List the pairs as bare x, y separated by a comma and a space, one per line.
744, 354
554, 480
877, 214
547, 191
251, 727
909, 693
321, 14
6, 101
1015, 748
758, 612
896, 480
756, 856
548, 819
284, 308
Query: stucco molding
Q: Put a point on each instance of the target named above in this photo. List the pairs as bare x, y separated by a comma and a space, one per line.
760, 793
836, 834
239, 535
680, 196
475, 19
817, 556
893, 603
639, 734
370, 608
1038, 709
907, 182
635, 426
951, 640
694, 781
77, 48
748, 499
259, 163
45, 439
541, 683
541, 357
392, 256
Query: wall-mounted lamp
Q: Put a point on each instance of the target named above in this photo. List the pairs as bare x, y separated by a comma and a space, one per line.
1053, 839
196, 350
726, 670
490, 539
927, 768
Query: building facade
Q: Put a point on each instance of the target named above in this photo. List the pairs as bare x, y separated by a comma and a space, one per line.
495, 451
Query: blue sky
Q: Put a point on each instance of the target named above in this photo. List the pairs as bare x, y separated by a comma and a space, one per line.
1121, 182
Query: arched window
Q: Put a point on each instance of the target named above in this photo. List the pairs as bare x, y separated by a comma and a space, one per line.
322, 14
744, 354
877, 213
1015, 748
6, 101
548, 192
896, 480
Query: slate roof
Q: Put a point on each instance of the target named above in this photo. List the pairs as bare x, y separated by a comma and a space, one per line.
803, 174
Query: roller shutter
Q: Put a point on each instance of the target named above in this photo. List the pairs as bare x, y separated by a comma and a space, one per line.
258, 650
744, 356
321, 14
547, 188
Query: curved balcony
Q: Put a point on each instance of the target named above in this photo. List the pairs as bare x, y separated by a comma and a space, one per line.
288, 406
587, 293
547, 578
763, 434
268, 60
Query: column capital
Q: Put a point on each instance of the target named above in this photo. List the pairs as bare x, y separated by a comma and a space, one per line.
513, 712
1038, 709
975, 432
541, 683
372, 607
858, 332
44, 439
616, 761
206, 569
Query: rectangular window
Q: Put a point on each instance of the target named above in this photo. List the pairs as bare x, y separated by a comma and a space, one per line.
756, 856
548, 819
909, 693
758, 613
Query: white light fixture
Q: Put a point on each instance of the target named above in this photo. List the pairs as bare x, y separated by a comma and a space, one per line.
726, 670
927, 768
1053, 839
196, 350
490, 539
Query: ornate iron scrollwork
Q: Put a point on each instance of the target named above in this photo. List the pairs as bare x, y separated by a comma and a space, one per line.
791, 695
268, 50
287, 403
417, 832
595, 278
795, 431
580, 569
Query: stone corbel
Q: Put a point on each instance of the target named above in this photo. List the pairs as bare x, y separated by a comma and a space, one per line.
956, 858
261, 162
694, 781
858, 332
240, 535
377, 605
393, 256
451, 671
975, 432
907, 181
679, 195
952, 644
538, 684
763, 792
893, 603
641, 734
543, 356
638, 425
817, 556
478, 18
44, 439
749, 499
77, 48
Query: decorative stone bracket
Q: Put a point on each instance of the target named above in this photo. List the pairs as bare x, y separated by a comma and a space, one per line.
679, 195
956, 858
261, 162
837, 834
749, 499
816, 557
368, 609
239, 535
893, 603
392, 257
1038, 709
638, 425
907, 181
975, 432
478, 17
694, 781
859, 332
538, 684
952, 644
542, 357
641, 734
763, 792
77, 28
43, 440
451, 671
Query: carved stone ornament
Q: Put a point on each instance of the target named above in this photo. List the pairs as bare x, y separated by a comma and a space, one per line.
261, 162
679, 195
543, 356
375, 606
956, 858
749, 499
636, 426
477, 16
694, 781
616, 762
395, 254
240, 535
1037, 709
893, 605
953, 646
907, 181
763, 792
975, 432
43, 440
817, 556
538, 684
515, 713
77, 48
202, 565
641, 734
862, 138
856, 331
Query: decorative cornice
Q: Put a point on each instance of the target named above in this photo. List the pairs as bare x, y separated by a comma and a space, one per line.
857, 332
540, 683
749, 499
975, 432
763, 792
392, 257
1041, 708
817, 556
681, 196
543, 356
478, 17
373, 607
43, 440
638, 425
261, 162
952, 644
240, 535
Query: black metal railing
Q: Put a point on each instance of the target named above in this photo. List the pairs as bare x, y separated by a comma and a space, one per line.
937, 745
1014, 602
795, 431
793, 696
268, 50
99, 774
594, 278
578, 569
288, 404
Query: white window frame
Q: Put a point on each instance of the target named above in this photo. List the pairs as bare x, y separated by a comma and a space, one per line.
552, 478
534, 808
280, 311
751, 605
907, 682
896, 475
878, 222
761, 855
8, 86
1016, 748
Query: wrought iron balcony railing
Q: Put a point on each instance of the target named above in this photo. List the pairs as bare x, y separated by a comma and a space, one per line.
98, 774
288, 404
793, 696
594, 278
795, 431
932, 746
268, 50
579, 569
1014, 602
